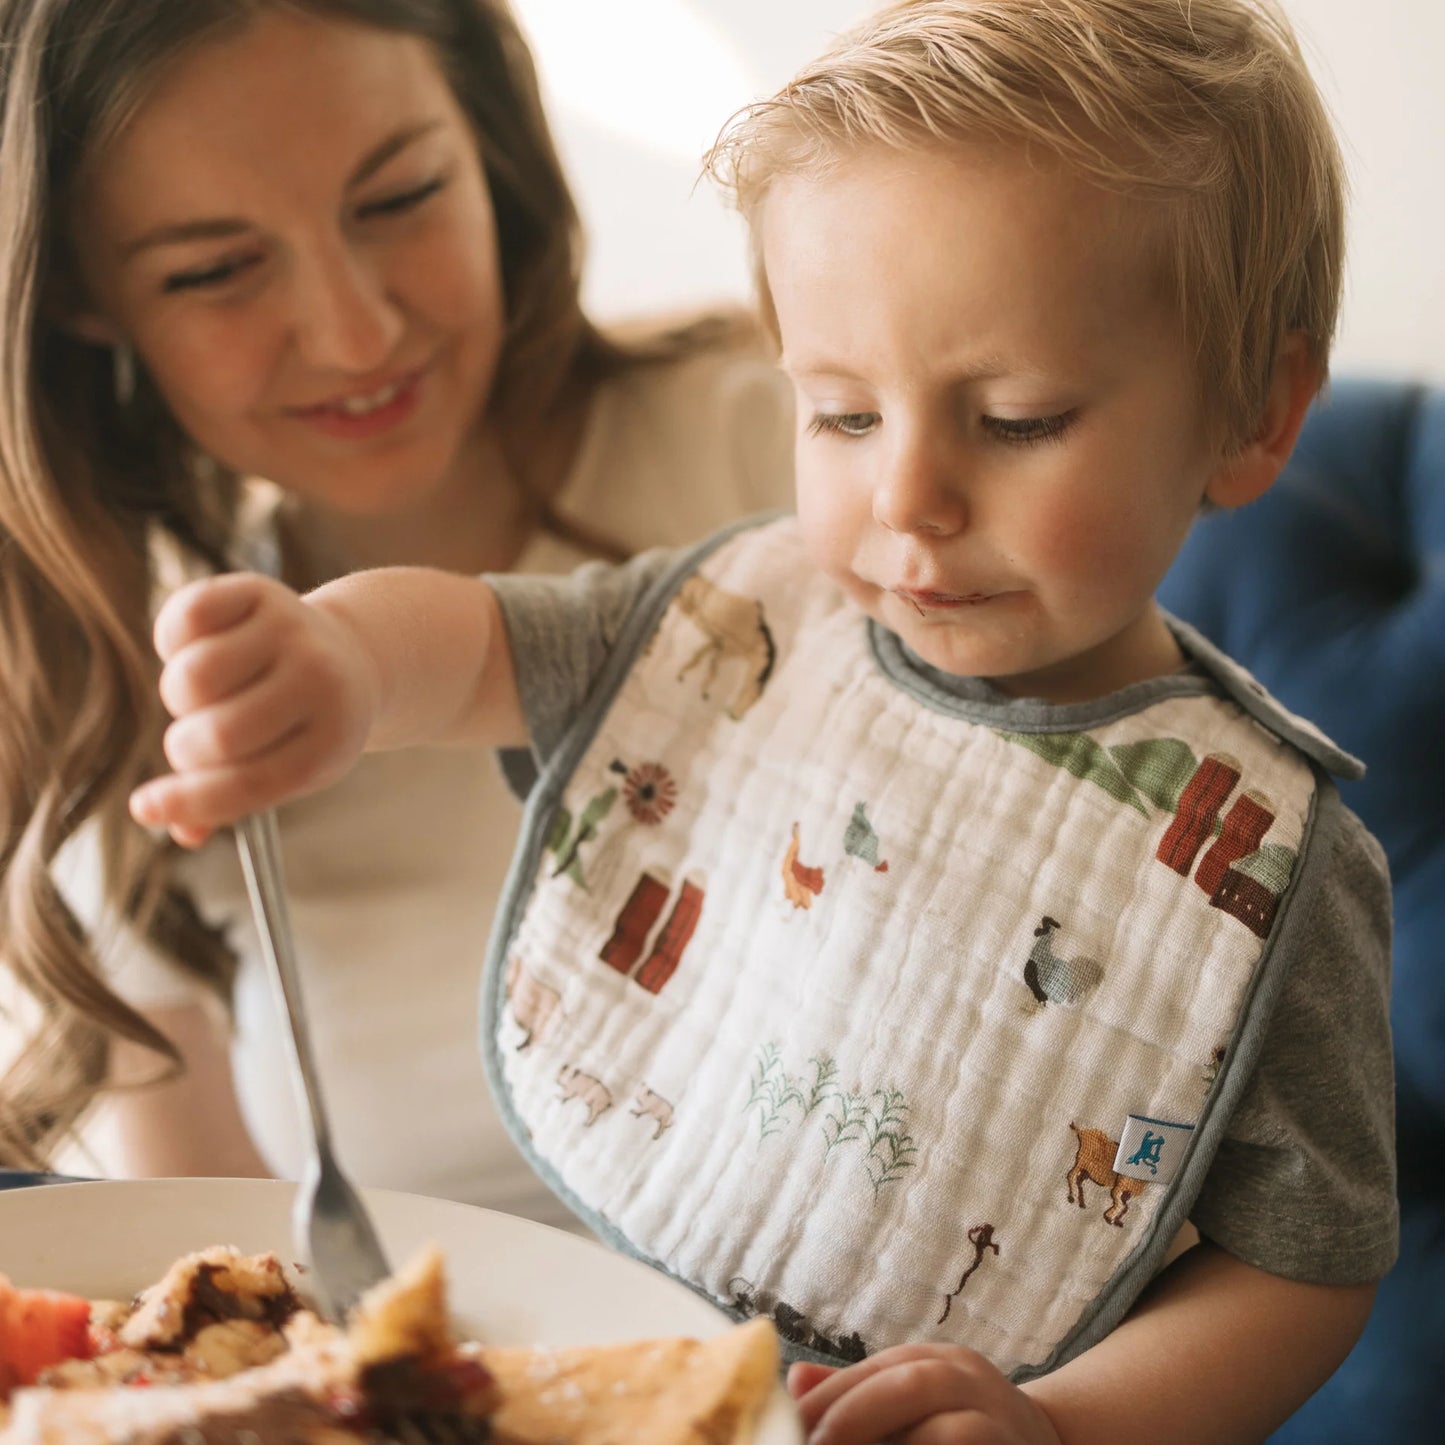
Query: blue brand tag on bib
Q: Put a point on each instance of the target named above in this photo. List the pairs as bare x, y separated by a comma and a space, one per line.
1151, 1149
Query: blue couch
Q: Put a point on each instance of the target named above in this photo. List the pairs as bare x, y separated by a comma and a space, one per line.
1331, 590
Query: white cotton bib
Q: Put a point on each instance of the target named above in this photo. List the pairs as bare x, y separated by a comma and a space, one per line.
843, 1007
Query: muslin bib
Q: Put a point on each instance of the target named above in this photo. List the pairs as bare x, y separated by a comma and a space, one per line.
842, 1005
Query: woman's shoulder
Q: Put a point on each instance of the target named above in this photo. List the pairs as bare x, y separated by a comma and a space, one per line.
716, 393
678, 445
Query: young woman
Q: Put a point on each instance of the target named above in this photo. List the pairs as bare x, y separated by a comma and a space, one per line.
326, 243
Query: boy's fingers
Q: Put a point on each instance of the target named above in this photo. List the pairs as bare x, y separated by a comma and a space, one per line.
178, 804
824, 1392
203, 743
966, 1427
190, 837
898, 1387
804, 1376
909, 1402
240, 729
212, 798
200, 609
212, 669
149, 805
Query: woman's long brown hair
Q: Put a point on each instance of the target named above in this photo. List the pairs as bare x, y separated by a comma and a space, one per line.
90, 487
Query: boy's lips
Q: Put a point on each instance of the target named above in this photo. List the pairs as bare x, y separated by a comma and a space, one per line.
925, 598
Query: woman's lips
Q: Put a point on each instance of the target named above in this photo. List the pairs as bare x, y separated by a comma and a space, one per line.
362, 414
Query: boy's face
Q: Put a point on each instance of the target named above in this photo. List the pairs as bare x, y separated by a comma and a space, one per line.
1001, 443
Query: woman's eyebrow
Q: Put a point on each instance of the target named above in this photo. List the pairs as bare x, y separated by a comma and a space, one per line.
173, 233
221, 228
391, 146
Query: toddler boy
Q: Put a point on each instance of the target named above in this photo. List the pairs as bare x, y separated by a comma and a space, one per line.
915, 927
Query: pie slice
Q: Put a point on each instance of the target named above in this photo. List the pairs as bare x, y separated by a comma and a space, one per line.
650, 1392
393, 1366
222, 1352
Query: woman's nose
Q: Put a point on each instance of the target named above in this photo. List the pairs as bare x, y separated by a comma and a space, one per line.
920, 490
345, 318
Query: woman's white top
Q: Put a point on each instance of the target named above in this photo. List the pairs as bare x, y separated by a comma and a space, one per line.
394, 874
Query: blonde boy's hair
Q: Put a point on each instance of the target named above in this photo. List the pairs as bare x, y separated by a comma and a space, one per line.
1202, 108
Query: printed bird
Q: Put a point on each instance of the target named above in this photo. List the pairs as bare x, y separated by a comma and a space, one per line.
860, 840
800, 882
1052, 979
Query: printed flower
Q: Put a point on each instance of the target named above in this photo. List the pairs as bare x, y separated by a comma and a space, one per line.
650, 792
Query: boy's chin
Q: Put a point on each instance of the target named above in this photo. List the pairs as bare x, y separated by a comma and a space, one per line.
998, 665
950, 655
950, 646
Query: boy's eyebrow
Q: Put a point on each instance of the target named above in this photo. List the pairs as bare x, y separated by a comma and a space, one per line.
986, 368
220, 228
819, 370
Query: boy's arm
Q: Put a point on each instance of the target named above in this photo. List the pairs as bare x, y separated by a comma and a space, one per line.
274, 696
438, 654
1214, 1351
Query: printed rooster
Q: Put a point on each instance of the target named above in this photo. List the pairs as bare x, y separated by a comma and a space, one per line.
1052, 979
800, 882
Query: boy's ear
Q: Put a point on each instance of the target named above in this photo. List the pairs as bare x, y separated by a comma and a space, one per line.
1250, 471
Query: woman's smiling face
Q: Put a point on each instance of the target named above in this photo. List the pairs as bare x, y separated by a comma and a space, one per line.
294, 232
1001, 438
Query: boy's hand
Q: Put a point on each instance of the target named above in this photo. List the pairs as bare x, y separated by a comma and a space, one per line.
272, 697
918, 1395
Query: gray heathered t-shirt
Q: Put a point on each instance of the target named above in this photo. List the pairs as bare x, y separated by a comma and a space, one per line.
1303, 1184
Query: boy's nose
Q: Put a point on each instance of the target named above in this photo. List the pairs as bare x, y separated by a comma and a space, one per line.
345, 319
919, 491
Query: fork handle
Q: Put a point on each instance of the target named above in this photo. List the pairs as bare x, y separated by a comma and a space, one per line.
258, 841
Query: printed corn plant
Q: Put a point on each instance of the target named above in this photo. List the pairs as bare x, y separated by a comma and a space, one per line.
891, 1149
773, 1092
876, 1119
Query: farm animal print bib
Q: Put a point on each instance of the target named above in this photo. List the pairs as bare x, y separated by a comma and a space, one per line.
841, 1004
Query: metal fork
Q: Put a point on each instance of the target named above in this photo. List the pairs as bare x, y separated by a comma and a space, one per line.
330, 1228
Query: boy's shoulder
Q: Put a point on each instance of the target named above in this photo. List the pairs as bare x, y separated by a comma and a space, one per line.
1243, 688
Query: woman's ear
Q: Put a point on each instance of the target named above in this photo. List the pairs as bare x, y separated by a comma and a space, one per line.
91, 326
1249, 472
68, 306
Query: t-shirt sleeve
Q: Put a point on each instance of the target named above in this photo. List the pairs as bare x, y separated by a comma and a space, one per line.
562, 630
1303, 1184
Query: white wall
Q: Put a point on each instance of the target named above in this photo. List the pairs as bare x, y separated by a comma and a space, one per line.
638, 89
1381, 65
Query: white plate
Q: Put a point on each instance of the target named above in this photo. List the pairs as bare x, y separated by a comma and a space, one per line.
510, 1281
